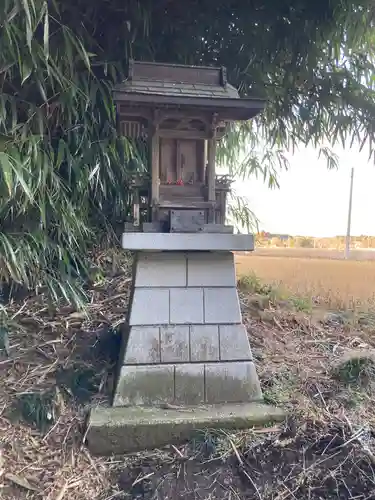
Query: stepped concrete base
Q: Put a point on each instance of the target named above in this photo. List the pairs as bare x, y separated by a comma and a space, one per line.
184, 347
122, 430
185, 342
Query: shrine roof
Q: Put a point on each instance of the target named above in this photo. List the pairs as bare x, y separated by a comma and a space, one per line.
195, 86
179, 89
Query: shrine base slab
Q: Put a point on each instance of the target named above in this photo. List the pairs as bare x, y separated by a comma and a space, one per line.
121, 430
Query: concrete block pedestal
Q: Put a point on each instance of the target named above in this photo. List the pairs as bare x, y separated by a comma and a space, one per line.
185, 341
185, 345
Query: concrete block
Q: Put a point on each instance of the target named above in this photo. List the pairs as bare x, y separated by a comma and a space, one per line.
129, 227
232, 382
145, 385
204, 343
221, 305
186, 305
174, 343
122, 430
180, 241
165, 269
217, 228
151, 227
234, 343
150, 306
211, 269
143, 346
189, 384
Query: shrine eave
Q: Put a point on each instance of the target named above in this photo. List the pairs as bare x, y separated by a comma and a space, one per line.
227, 108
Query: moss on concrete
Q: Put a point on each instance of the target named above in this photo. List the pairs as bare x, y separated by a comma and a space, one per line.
145, 385
232, 383
120, 430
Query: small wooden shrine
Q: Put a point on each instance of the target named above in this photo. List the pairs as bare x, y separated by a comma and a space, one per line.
185, 362
181, 111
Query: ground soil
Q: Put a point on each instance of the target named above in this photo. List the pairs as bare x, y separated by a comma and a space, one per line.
60, 362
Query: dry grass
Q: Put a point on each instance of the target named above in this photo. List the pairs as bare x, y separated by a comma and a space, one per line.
324, 449
335, 283
65, 354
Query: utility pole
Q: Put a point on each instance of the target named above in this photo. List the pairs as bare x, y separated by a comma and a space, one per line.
347, 243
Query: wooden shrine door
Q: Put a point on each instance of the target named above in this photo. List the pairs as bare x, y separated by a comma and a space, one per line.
181, 159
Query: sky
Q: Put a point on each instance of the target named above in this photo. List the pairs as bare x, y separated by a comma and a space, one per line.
312, 200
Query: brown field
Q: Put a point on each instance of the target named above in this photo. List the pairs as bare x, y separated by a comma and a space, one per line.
331, 281
317, 253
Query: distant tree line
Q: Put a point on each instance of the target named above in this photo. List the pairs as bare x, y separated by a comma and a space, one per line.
265, 239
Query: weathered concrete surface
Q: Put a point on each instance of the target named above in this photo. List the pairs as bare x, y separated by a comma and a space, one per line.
121, 430
144, 385
181, 241
186, 305
162, 269
211, 269
232, 382
174, 342
189, 384
221, 305
229, 382
185, 311
234, 343
204, 343
150, 306
143, 346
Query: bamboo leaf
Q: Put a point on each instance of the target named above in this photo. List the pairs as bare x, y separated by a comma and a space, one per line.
6, 67
46, 32
12, 14
26, 71
7, 172
14, 170
79, 48
29, 30
42, 90
60, 153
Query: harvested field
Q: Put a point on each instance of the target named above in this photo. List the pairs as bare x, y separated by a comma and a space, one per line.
59, 363
332, 282
316, 253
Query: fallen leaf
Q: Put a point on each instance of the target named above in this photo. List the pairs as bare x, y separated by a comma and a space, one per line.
267, 430
20, 481
77, 315
1, 463
62, 491
4, 340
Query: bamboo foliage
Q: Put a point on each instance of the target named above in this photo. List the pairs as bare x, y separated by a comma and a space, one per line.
61, 163
64, 172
